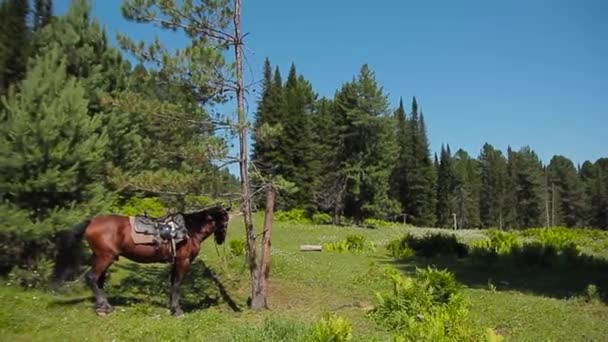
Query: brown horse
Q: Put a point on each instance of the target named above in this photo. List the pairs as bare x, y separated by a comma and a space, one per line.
110, 236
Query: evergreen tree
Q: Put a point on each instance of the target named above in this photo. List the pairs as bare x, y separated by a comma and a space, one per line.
467, 187
14, 41
52, 150
43, 12
595, 180
493, 171
565, 191
445, 188
299, 164
404, 154
421, 198
527, 178
366, 149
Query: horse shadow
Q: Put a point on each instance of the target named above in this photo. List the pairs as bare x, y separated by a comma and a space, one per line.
150, 284
511, 272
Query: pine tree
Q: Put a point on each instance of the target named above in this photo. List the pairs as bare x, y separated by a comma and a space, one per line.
366, 148
527, 179
404, 154
565, 192
52, 150
445, 188
421, 201
15, 42
299, 165
467, 187
492, 200
43, 13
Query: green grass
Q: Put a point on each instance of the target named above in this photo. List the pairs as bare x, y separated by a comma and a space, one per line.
522, 305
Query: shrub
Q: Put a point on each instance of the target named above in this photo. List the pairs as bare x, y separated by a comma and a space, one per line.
321, 218
352, 243
238, 247
430, 245
38, 277
297, 216
558, 237
332, 328
430, 307
152, 206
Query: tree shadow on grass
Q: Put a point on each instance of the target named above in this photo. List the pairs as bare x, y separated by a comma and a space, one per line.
150, 284
561, 277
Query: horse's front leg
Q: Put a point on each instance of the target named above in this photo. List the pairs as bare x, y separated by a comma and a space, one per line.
180, 267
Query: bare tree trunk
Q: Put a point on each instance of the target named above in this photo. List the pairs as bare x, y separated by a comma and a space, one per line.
260, 298
243, 163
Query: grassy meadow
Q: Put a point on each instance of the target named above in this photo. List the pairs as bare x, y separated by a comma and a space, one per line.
518, 303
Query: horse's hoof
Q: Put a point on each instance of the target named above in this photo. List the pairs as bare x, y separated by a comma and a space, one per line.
104, 310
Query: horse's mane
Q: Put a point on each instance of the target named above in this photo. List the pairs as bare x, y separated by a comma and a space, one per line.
199, 216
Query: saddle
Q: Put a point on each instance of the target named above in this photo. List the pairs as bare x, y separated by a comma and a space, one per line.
169, 228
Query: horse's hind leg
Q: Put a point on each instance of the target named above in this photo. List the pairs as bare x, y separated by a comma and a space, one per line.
95, 278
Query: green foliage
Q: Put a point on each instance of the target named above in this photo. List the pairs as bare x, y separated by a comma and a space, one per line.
272, 329
321, 218
373, 222
430, 307
558, 237
429, 245
296, 216
352, 243
238, 247
592, 294
152, 206
332, 328
36, 277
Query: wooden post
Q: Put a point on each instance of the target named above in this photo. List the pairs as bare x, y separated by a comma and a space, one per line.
455, 223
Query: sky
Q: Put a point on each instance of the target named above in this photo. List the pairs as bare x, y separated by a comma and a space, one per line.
510, 73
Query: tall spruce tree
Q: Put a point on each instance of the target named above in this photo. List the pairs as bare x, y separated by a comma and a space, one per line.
52, 150
565, 193
467, 187
445, 188
404, 155
15, 37
421, 198
492, 198
527, 179
299, 164
366, 149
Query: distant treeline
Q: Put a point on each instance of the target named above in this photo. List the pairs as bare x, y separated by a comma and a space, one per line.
353, 156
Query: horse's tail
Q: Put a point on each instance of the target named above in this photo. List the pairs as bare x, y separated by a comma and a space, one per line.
69, 252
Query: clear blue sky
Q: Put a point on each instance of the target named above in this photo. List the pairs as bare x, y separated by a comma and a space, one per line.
520, 72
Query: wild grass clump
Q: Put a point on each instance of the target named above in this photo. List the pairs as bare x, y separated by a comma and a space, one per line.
237, 247
556, 236
377, 223
429, 246
321, 218
429, 307
332, 328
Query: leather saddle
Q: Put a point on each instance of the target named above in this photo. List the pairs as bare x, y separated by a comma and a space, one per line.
169, 227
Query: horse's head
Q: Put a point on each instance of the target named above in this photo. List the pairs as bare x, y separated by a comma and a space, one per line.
220, 221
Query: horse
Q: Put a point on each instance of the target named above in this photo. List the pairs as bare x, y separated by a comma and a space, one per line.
110, 236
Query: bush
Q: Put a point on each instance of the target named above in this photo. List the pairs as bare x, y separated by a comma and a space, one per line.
558, 237
38, 277
297, 216
352, 243
430, 307
321, 218
430, 245
332, 328
152, 206
238, 247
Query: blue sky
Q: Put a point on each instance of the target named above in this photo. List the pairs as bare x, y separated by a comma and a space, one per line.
516, 73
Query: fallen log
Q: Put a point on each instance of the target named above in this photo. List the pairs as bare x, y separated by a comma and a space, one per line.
311, 248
